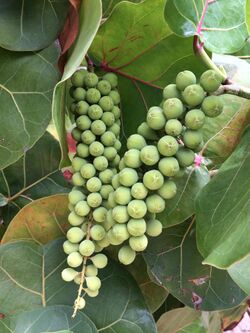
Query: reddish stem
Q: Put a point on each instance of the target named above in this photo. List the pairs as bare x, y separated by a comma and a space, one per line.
199, 26
107, 68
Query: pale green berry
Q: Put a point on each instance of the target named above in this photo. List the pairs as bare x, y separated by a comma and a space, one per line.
194, 119
108, 118
82, 208
94, 184
169, 166
108, 139
91, 270
96, 148
68, 274
120, 214
82, 108
106, 176
77, 79
171, 91
120, 232
77, 179
75, 219
136, 227
112, 79
137, 209
75, 235
193, 95
185, 156
139, 243
97, 232
116, 112
122, 195
110, 153
91, 80
69, 247
155, 204
128, 177
91, 293
115, 97
115, 181
109, 221
136, 141
74, 259
173, 108
77, 163
153, 179
139, 191
132, 158
155, 118
75, 196
106, 103
192, 139
100, 163
184, 79
104, 87
81, 303
83, 122
115, 128
93, 283
98, 127
173, 127
79, 94
82, 150
210, 80
167, 145
99, 214
105, 191
95, 112
126, 255
88, 171
94, 200
86, 248
76, 134
154, 228
168, 190
147, 132
149, 155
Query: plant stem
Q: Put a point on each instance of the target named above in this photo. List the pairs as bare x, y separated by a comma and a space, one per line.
82, 275
234, 89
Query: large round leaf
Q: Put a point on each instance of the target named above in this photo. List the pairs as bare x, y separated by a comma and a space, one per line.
181, 207
56, 319
31, 25
34, 175
42, 220
174, 261
222, 208
30, 277
224, 27
26, 84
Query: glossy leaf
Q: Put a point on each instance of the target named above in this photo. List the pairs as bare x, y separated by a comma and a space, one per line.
181, 207
26, 84
108, 5
177, 320
42, 220
223, 220
89, 20
30, 277
31, 25
32, 177
145, 54
174, 262
240, 271
56, 319
224, 27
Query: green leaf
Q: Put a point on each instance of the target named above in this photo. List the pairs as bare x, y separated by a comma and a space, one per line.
176, 320
52, 319
26, 84
248, 15
244, 52
32, 177
181, 207
30, 277
90, 17
108, 6
233, 316
224, 26
31, 25
153, 293
240, 273
42, 220
144, 52
222, 134
174, 262
222, 209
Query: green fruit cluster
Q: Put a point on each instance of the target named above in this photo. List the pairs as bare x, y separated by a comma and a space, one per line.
165, 144
97, 118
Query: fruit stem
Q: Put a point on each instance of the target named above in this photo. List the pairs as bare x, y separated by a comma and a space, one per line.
234, 89
82, 274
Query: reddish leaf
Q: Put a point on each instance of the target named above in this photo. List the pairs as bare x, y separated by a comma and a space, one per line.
69, 32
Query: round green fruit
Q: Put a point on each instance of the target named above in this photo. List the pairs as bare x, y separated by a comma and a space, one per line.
76, 134
169, 166
185, 156
112, 79
108, 139
171, 91
120, 214
194, 119
79, 94
136, 227
154, 228
90, 80
149, 155
126, 255
173, 127
120, 232
132, 158
77, 79
93, 283
115, 97
128, 177
75, 234
108, 118
82, 108
106, 176
75, 196
105, 191
74, 219
83, 122
74, 259
137, 209
185, 79
167, 145
136, 141
155, 118
95, 112
212, 106
210, 80
155, 203
193, 95
104, 87
68, 274
99, 214
153, 179
82, 208
96, 148
69, 247
192, 139
94, 200
97, 232
91, 270
139, 191
122, 195
168, 190
88, 171
106, 103
138, 244
86, 248
98, 127
93, 184
173, 108
100, 163
77, 179
147, 132
99, 260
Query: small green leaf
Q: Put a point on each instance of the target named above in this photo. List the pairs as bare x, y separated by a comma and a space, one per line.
90, 17
33, 176
27, 98
224, 27
42, 220
30, 277
176, 320
52, 319
222, 210
174, 262
181, 207
31, 25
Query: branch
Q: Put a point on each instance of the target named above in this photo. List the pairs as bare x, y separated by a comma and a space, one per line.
234, 89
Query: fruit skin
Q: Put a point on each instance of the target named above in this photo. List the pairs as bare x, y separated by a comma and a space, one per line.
173, 108
153, 179
138, 243
139, 191
194, 119
137, 209
136, 141
120, 232
115, 97
87, 248
185, 156
184, 79
169, 166
136, 227
74, 259
69, 247
79, 94
171, 91
108, 118
93, 283
83, 122
155, 203
68, 274
122, 195
82, 150
147, 132
168, 190
120, 214
77, 79
88, 171
93, 95
81, 303
167, 145
108, 139
94, 200
155, 118
75, 235
77, 179
82, 208
98, 127
75, 219
99, 260
154, 228
91, 270
193, 95
91, 80
75, 196
93, 184
76, 134
132, 158
97, 232
128, 177
88, 137
173, 127
96, 148
126, 255
106, 103
212, 106
192, 138
112, 79
210, 80
82, 107
149, 155
100, 162
95, 112
104, 87
99, 214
